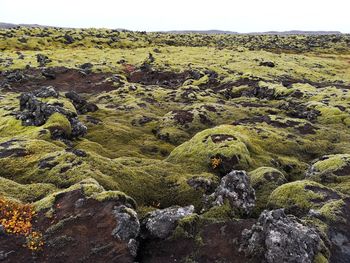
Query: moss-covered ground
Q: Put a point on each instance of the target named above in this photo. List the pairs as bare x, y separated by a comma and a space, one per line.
172, 107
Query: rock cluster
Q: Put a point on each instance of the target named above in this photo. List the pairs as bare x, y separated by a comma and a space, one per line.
34, 112
278, 238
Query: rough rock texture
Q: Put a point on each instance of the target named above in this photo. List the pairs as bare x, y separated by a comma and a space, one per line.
79, 228
278, 238
128, 227
35, 112
81, 105
236, 189
161, 223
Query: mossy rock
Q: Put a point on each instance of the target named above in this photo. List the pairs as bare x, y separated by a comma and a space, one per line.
333, 171
58, 123
300, 196
88, 186
223, 143
264, 180
337, 164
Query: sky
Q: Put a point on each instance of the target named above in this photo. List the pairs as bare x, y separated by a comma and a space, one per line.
156, 15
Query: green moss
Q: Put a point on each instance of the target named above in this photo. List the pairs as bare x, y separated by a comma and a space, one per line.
114, 195
320, 258
187, 227
331, 163
25, 192
88, 186
332, 210
219, 213
58, 121
294, 193
197, 152
264, 180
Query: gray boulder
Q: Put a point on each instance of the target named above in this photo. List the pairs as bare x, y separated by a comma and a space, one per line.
234, 187
278, 238
160, 223
128, 227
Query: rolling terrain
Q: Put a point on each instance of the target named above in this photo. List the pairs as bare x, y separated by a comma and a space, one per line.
119, 146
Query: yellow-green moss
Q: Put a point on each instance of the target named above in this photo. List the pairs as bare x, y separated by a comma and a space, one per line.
294, 193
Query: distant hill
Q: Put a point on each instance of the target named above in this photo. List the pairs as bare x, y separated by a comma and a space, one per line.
297, 32
200, 32
292, 32
214, 31
9, 25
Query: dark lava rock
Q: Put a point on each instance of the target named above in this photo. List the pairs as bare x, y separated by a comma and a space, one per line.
339, 235
81, 105
34, 112
206, 243
87, 230
69, 39
160, 223
234, 187
42, 60
48, 73
202, 183
128, 227
269, 64
86, 66
15, 76
13, 152
278, 238
46, 92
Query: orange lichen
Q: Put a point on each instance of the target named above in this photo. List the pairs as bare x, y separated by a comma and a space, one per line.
215, 162
34, 241
16, 218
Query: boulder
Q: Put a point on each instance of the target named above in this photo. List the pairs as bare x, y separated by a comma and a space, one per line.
236, 189
280, 238
162, 222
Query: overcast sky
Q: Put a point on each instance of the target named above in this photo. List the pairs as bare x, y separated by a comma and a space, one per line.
153, 15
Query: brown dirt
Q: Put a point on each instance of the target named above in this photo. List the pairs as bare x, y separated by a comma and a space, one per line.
65, 80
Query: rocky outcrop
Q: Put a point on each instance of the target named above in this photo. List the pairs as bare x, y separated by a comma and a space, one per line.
161, 223
236, 189
278, 238
80, 104
35, 112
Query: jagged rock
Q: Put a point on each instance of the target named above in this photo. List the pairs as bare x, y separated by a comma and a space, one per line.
46, 92
269, 64
48, 73
42, 60
86, 66
34, 112
160, 223
15, 76
234, 187
128, 227
202, 183
278, 238
69, 39
81, 105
